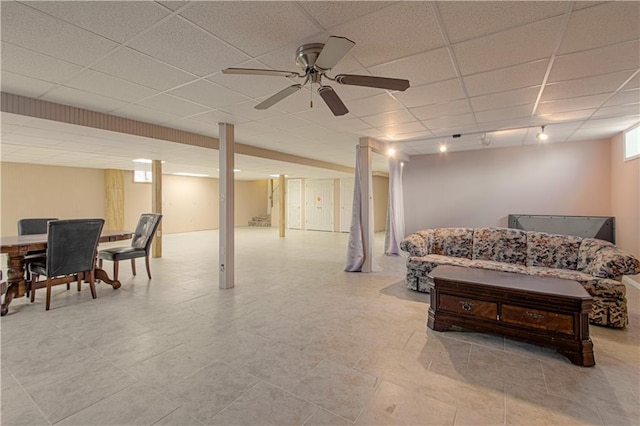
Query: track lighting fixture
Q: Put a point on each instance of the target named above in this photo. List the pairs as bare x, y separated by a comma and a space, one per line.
484, 140
542, 135
443, 147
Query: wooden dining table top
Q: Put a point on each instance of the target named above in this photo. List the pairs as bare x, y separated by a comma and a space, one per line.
12, 242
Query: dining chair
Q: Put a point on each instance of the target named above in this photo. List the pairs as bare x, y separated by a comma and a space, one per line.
71, 255
32, 226
140, 245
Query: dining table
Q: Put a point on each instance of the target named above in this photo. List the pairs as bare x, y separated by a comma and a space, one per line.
17, 247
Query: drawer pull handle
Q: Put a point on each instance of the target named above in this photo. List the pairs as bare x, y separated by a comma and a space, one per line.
533, 315
466, 306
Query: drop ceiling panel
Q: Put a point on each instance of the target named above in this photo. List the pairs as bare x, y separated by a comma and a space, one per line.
22, 85
504, 113
330, 14
374, 105
388, 118
573, 104
53, 37
516, 77
585, 86
248, 112
273, 24
579, 115
172, 105
427, 67
602, 25
449, 122
468, 19
214, 117
604, 60
140, 113
617, 111
209, 94
82, 99
188, 47
415, 30
116, 23
505, 99
430, 112
33, 64
106, 85
431, 93
524, 44
624, 97
142, 69
403, 129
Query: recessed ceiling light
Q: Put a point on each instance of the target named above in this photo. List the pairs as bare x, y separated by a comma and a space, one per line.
142, 160
391, 152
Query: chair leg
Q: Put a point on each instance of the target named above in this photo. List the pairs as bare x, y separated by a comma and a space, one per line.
68, 286
48, 294
133, 266
115, 270
92, 284
34, 279
79, 281
146, 261
100, 263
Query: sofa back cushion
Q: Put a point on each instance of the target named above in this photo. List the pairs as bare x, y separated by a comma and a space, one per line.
552, 251
501, 245
457, 242
588, 249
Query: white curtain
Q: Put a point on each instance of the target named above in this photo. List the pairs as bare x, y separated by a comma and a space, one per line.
395, 209
356, 250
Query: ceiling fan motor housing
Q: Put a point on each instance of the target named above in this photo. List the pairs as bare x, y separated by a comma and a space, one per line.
306, 56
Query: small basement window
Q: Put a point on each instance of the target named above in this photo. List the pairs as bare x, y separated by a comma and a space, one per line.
632, 143
142, 176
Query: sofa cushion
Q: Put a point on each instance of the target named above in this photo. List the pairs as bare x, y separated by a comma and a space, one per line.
552, 251
588, 249
430, 261
500, 245
457, 242
498, 266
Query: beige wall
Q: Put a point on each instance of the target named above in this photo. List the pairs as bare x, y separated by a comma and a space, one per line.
625, 197
31, 190
480, 188
189, 204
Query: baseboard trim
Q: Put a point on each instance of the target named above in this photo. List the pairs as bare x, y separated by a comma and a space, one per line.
631, 282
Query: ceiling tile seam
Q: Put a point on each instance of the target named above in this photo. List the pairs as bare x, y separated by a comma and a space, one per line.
556, 47
569, 80
112, 51
452, 57
624, 83
604, 46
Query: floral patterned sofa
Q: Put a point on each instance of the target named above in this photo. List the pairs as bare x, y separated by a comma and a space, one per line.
596, 264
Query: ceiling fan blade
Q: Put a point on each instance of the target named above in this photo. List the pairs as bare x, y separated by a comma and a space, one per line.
267, 103
334, 49
256, 71
369, 81
330, 97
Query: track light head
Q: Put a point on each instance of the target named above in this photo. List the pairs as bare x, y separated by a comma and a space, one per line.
542, 135
484, 140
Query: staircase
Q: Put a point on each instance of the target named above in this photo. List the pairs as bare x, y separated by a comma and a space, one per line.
262, 221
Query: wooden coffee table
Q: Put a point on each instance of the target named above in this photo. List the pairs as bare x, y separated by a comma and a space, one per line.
544, 311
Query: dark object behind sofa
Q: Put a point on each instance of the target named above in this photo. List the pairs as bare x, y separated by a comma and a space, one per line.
600, 227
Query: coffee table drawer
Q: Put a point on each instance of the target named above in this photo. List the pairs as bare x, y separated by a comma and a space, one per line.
463, 305
535, 318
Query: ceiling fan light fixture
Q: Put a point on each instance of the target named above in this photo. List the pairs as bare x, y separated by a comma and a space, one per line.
542, 135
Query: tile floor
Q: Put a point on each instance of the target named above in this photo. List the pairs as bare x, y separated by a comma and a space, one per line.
298, 341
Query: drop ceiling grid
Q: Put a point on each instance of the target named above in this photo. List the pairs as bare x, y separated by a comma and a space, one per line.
504, 84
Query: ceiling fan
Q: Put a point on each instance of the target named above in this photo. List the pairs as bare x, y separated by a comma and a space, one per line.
315, 60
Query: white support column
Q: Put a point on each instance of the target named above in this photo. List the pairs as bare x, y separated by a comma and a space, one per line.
281, 205
365, 152
156, 204
226, 164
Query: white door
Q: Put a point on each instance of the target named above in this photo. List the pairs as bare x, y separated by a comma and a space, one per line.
319, 204
294, 214
346, 203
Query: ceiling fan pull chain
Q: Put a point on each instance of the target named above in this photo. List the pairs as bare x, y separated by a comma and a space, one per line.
311, 99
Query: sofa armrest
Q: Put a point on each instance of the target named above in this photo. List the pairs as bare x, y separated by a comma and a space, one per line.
415, 245
613, 263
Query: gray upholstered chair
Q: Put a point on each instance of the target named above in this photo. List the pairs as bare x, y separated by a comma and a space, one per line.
140, 245
32, 226
71, 255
